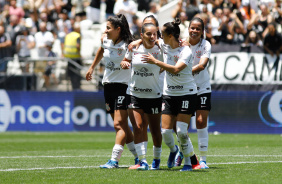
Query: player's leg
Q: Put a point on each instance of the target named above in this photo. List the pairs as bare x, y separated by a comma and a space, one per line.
167, 132
182, 134
140, 138
203, 136
155, 129
130, 137
202, 113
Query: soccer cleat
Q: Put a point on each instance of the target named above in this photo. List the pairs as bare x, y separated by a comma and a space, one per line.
194, 162
171, 158
136, 160
203, 165
110, 165
196, 166
178, 159
143, 166
135, 166
156, 164
186, 168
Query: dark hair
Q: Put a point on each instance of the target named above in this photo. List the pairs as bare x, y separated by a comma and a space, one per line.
173, 28
197, 19
146, 25
156, 23
121, 21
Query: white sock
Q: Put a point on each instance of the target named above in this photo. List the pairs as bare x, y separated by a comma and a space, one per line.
169, 139
181, 129
203, 142
190, 147
132, 149
141, 149
117, 151
187, 161
157, 152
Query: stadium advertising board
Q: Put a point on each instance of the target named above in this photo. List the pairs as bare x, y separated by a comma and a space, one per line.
253, 71
232, 112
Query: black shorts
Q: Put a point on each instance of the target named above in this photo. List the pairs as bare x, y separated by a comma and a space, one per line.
204, 102
115, 96
175, 105
149, 105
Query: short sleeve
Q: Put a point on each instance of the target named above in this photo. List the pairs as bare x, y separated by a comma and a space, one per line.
186, 56
207, 50
128, 55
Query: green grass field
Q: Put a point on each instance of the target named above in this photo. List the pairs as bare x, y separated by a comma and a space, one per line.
75, 158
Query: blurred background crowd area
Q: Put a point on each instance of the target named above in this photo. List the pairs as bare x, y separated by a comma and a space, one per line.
33, 30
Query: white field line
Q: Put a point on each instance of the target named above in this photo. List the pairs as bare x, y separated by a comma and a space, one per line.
126, 166
97, 156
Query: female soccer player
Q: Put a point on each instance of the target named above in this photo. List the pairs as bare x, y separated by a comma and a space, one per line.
115, 81
144, 92
155, 127
201, 50
179, 93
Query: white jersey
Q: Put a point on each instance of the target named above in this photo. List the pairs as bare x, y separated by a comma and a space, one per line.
144, 80
113, 55
183, 82
202, 79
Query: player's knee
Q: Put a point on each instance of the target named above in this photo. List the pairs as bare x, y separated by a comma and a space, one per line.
181, 129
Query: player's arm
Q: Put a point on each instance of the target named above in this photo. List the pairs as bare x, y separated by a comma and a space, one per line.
97, 59
125, 63
201, 66
170, 68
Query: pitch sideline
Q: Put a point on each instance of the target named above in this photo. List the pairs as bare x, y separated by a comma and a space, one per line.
91, 167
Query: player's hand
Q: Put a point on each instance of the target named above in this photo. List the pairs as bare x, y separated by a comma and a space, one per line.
135, 44
148, 58
125, 65
89, 74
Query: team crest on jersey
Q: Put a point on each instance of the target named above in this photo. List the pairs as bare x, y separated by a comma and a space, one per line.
176, 58
155, 55
108, 107
198, 54
131, 106
163, 106
119, 52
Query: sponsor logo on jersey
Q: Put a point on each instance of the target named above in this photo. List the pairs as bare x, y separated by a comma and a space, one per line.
143, 72
111, 66
173, 75
146, 90
178, 87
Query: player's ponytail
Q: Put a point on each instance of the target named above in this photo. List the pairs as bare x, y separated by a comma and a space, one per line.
173, 28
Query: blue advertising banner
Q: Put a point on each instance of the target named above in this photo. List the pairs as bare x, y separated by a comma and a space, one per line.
232, 112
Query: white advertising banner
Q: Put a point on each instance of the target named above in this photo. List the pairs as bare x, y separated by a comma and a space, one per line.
245, 68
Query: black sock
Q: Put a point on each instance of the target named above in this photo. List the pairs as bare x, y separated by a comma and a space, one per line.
194, 160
